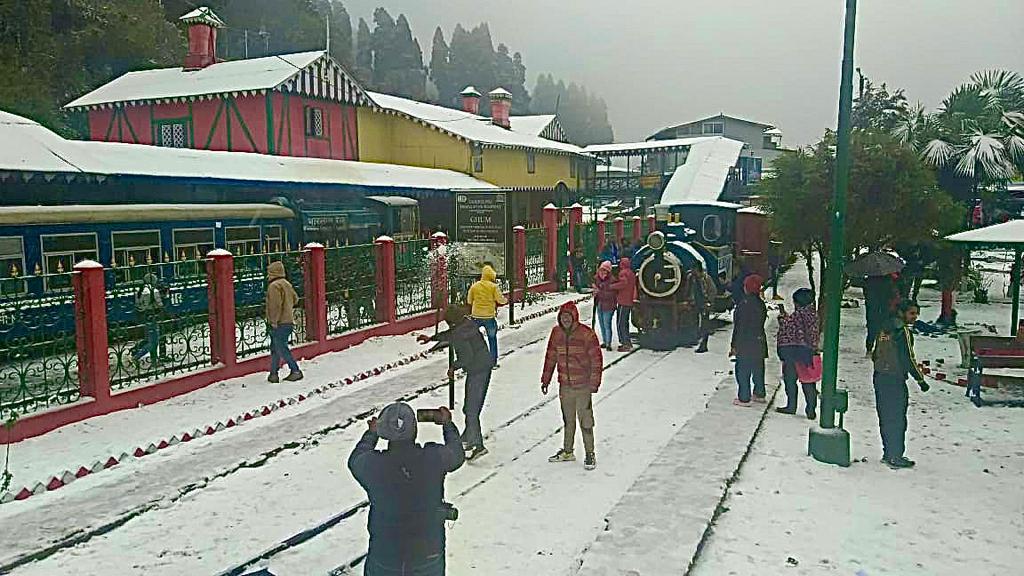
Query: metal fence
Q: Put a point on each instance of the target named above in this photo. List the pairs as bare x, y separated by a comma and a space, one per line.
252, 334
413, 277
536, 255
38, 357
157, 322
351, 273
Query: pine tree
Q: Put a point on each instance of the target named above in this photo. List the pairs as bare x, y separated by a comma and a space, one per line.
439, 67
364, 54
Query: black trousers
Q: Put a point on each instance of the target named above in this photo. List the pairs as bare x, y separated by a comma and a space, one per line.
891, 404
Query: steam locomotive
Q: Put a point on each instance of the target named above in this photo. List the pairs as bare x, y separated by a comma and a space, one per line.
726, 239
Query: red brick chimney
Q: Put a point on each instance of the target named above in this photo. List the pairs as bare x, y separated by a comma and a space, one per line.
471, 100
202, 38
501, 107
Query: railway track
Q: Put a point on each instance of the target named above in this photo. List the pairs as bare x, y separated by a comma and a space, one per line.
333, 522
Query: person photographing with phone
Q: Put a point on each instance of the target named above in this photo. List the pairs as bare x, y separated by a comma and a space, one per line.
405, 486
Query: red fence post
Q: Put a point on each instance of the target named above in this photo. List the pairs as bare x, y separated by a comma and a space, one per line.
575, 220
519, 239
220, 282
439, 268
620, 230
314, 275
551, 258
637, 232
91, 330
387, 304
602, 231
652, 223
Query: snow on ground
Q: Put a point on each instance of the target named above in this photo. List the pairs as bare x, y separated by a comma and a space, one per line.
959, 511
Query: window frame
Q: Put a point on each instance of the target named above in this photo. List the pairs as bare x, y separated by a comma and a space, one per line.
258, 240
44, 256
21, 277
531, 162
186, 124
704, 128
308, 120
175, 245
718, 228
114, 249
477, 152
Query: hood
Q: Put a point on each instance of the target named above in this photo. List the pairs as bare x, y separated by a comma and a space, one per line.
275, 271
604, 269
487, 273
571, 308
752, 284
150, 279
625, 264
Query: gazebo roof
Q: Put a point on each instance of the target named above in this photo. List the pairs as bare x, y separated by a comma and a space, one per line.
1006, 235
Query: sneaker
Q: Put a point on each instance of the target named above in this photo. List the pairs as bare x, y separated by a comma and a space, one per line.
900, 462
475, 452
739, 402
626, 348
785, 410
563, 456
590, 462
760, 399
294, 376
273, 379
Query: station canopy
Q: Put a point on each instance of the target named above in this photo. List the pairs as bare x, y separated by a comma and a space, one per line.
1006, 235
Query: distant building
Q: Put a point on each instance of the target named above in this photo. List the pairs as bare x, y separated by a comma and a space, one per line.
764, 141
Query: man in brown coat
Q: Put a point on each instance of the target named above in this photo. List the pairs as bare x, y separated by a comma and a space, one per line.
281, 301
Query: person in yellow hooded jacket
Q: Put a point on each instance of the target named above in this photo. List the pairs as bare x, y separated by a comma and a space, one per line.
484, 297
281, 301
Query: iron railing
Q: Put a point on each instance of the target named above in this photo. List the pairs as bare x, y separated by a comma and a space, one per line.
252, 334
351, 273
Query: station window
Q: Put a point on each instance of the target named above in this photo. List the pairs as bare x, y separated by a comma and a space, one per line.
314, 122
243, 240
714, 128
136, 247
173, 134
60, 254
712, 228
12, 265
531, 162
478, 158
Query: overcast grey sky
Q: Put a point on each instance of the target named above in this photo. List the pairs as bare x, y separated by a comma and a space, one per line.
663, 62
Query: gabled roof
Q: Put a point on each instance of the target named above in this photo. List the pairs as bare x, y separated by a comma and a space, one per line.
27, 148
543, 125
468, 127
309, 73
674, 127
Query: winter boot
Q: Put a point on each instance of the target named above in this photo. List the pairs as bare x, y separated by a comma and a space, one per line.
273, 378
703, 347
626, 348
563, 456
811, 396
786, 410
590, 462
294, 376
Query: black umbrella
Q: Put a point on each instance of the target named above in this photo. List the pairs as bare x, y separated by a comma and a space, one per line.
875, 264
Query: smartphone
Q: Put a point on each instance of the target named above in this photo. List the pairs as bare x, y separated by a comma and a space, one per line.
432, 415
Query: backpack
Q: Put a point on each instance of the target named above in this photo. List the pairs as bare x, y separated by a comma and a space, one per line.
146, 299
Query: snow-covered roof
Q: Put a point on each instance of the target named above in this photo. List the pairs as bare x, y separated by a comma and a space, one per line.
202, 15
1006, 234
531, 124
312, 73
466, 126
646, 146
754, 210
704, 174
25, 146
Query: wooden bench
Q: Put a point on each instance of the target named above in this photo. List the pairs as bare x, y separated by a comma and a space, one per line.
995, 352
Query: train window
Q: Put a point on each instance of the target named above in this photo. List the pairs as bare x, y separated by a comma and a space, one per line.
314, 122
478, 158
60, 254
243, 240
273, 239
531, 162
190, 245
12, 265
172, 134
712, 227
135, 247
713, 128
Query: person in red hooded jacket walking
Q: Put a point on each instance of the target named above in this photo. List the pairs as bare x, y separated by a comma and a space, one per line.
625, 294
574, 349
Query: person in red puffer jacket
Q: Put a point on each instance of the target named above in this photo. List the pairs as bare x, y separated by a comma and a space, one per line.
625, 294
574, 349
604, 299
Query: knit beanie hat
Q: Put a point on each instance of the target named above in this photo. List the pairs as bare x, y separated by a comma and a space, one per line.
397, 423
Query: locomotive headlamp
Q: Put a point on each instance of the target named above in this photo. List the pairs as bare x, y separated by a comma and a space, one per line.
656, 240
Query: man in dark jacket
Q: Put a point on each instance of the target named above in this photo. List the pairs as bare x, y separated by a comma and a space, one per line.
749, 343
879, 292
405, 486
702, 293
473, 356
893, 355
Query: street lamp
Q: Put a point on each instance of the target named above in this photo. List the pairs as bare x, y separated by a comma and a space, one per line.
827, 443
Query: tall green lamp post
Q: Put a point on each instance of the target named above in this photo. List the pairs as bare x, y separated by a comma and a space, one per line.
828, 443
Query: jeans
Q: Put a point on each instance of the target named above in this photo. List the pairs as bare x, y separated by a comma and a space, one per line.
151, 344
747, 370
433, 566
891, 404
624, 312
476, 392
279, 350
491, 326
605, 320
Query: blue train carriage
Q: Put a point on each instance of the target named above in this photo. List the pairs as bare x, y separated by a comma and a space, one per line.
712, 230
39, 246
374, 216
